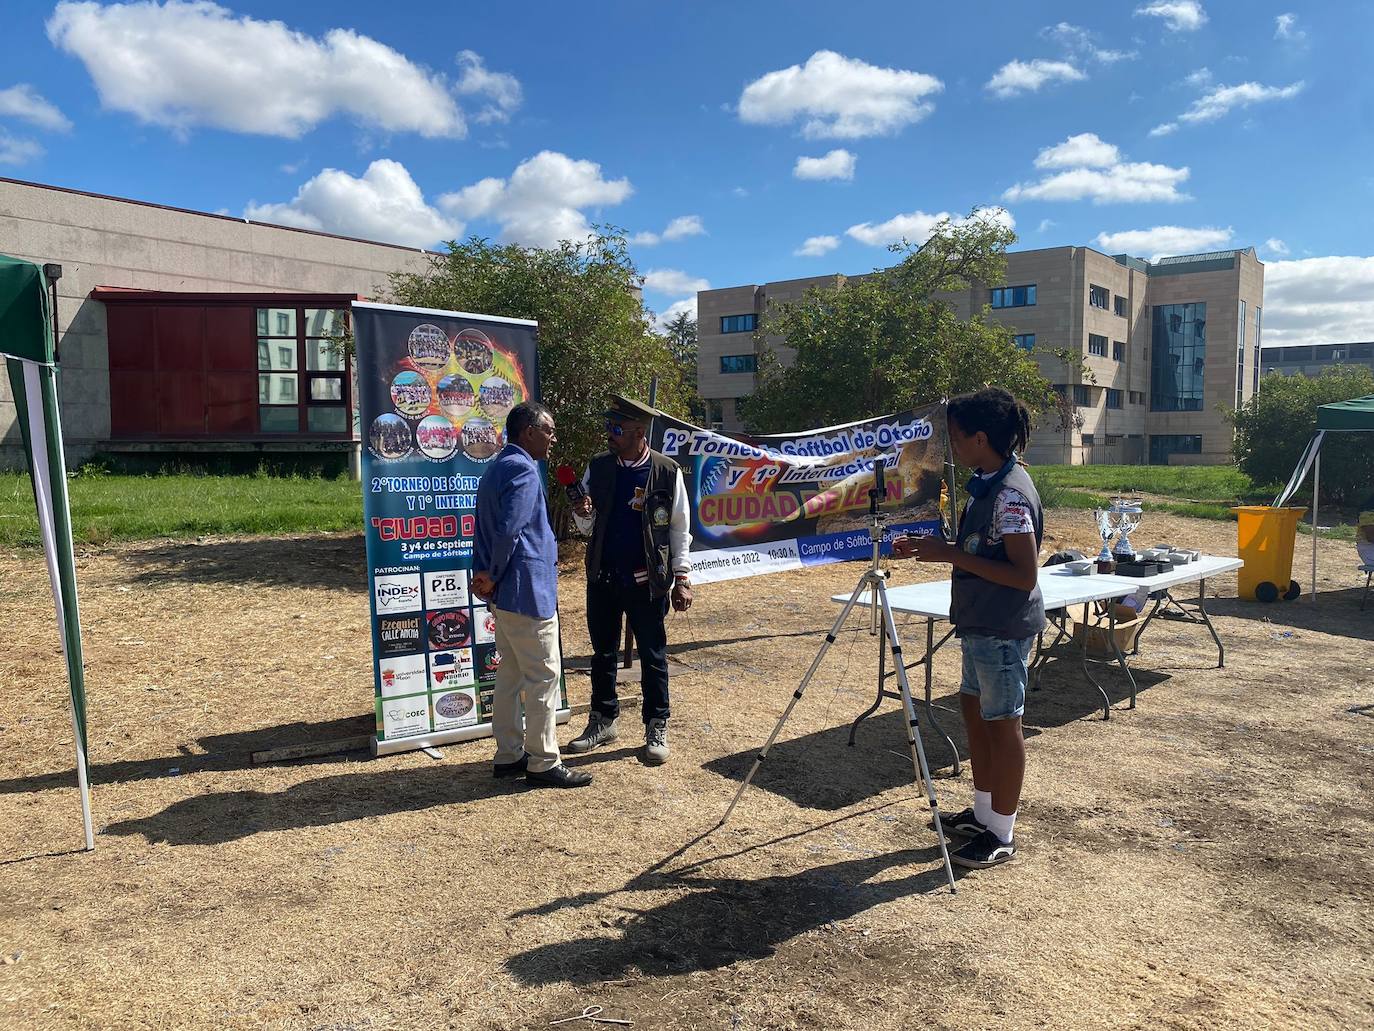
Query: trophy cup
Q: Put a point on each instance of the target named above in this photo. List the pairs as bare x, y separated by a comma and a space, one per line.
1106, 529
1127, 514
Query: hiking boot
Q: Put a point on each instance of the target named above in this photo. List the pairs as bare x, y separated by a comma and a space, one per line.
656, 742
600, 731
559, 777
986, 850
962, 822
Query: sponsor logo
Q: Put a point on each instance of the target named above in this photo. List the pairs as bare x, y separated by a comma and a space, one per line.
399, 635
403, 675
446, 588
397, 593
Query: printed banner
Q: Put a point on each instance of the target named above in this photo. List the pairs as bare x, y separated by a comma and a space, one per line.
761, 504
434, 390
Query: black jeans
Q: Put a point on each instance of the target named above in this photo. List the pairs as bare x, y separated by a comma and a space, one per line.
607, 602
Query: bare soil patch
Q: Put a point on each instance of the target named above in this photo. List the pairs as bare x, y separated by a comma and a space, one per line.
1203, 860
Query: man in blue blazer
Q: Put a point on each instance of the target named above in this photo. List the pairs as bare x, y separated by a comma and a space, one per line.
515, 569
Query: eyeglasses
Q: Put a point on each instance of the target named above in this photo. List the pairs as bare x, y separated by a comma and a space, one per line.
614, 428
545, 428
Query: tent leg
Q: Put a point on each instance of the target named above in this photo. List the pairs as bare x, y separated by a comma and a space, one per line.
1316, 503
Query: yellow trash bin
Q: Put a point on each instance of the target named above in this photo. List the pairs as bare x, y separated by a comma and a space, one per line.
1264, 538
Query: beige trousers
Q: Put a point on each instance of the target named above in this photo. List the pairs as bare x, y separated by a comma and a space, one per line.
530, 671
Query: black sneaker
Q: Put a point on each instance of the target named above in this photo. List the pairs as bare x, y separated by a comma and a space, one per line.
963, 822
513, 769
558, 777
986, 850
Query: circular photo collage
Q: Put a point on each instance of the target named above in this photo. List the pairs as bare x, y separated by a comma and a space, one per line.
450, 394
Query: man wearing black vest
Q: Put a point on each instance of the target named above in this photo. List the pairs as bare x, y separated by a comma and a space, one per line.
637, 563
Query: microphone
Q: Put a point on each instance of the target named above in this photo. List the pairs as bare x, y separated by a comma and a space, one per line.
567, 476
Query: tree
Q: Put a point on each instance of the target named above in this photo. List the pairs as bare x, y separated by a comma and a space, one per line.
887, 341
1274, 426
595, 335
681, 332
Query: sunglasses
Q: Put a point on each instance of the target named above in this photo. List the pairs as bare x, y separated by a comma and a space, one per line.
614, 428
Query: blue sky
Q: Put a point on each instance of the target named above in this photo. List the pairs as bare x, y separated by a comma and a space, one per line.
735, 143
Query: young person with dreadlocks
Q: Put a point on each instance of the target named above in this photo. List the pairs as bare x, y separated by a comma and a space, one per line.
996, 610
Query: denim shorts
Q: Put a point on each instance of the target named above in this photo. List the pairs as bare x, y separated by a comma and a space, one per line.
995, 672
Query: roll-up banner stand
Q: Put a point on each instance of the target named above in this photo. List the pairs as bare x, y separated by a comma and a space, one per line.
434, 390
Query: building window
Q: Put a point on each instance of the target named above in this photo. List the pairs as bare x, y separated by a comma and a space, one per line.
738, 323
1178, 357
1098, 296
1164, 445
1113, 398
1118, 350
1259, 314
1080, 396
1119, 305
1013, 296
737, 363
1113, 439
1025, 341
1089, 440
1097, 345
301, 371
1137, 397
1240, 356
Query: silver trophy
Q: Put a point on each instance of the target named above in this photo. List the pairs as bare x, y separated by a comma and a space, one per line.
1106, 529
1127, 513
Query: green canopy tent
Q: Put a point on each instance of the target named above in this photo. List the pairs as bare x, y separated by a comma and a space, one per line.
29, 349
1353, 416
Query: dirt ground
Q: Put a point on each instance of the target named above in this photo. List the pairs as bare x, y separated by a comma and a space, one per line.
1202, 860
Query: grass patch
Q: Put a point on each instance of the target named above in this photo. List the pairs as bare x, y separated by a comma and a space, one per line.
108, 507
1218, 483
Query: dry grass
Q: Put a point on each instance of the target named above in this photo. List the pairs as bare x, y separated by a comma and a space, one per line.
1202, 861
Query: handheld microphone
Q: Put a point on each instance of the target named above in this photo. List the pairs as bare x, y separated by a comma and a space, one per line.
567, 476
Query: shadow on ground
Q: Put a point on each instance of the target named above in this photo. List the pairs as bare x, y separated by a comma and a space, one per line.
218, 752
1334, 612
325, 563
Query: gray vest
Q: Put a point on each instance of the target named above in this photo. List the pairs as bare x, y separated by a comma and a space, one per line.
980, 608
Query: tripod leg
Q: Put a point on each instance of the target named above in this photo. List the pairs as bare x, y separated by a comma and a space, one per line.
796, 697
882, 676
913, 723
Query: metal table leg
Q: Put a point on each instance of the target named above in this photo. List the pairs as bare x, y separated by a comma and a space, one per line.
930, 707
1116, 649
1083, 658
1202, 611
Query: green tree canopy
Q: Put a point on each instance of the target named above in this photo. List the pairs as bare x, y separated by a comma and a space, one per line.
681, 331
1274, 426
595, 335
888, 341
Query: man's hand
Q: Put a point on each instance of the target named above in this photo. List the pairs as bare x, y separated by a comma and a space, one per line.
483, 585
583, 507
924, 549
682, 596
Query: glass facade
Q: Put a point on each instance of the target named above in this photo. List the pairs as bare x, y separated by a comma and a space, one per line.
1080, 396
738, 323
1098, 296
1013, 296
1162, 445
301, 371
1025, 341
1118, 350
1113, 398
737, 363
1097, 345
1119, 305
1240, 356
1259, 315
1178, 357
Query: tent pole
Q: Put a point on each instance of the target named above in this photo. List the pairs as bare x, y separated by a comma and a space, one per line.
1316, 502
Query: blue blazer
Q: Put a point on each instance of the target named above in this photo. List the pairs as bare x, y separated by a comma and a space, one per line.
515, 543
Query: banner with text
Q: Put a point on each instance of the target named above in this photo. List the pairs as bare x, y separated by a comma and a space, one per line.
761, 504
434, 390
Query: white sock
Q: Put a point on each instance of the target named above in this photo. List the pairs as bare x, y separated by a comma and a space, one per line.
982, 805
1000, 825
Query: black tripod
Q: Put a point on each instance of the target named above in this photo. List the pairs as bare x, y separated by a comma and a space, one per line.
874, 579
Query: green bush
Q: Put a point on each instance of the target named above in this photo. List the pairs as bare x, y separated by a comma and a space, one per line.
1273, 428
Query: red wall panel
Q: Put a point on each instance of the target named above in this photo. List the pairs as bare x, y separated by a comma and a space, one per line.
230, 341
181, 404
130, 331
180, 338
133, 403
232, 403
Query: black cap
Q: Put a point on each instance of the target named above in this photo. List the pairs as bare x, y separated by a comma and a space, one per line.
621, 407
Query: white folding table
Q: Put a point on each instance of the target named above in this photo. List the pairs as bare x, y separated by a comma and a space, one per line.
1060, 590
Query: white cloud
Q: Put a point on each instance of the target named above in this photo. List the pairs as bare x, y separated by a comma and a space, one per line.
1200, 79
1285, 28
688, 305
1045, 225
1178, 15
740, 191
816, 246
1078, 40
838, 164
839, 97
1122, 182
385, 204
189, 63
26, 103
17, 151
1319, 300
1164, 129
916, 227
683, 225
1276, 246
1224, 99
543, 200
1083, 150
501, 89
1017, 77
673, 282
1165, 240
